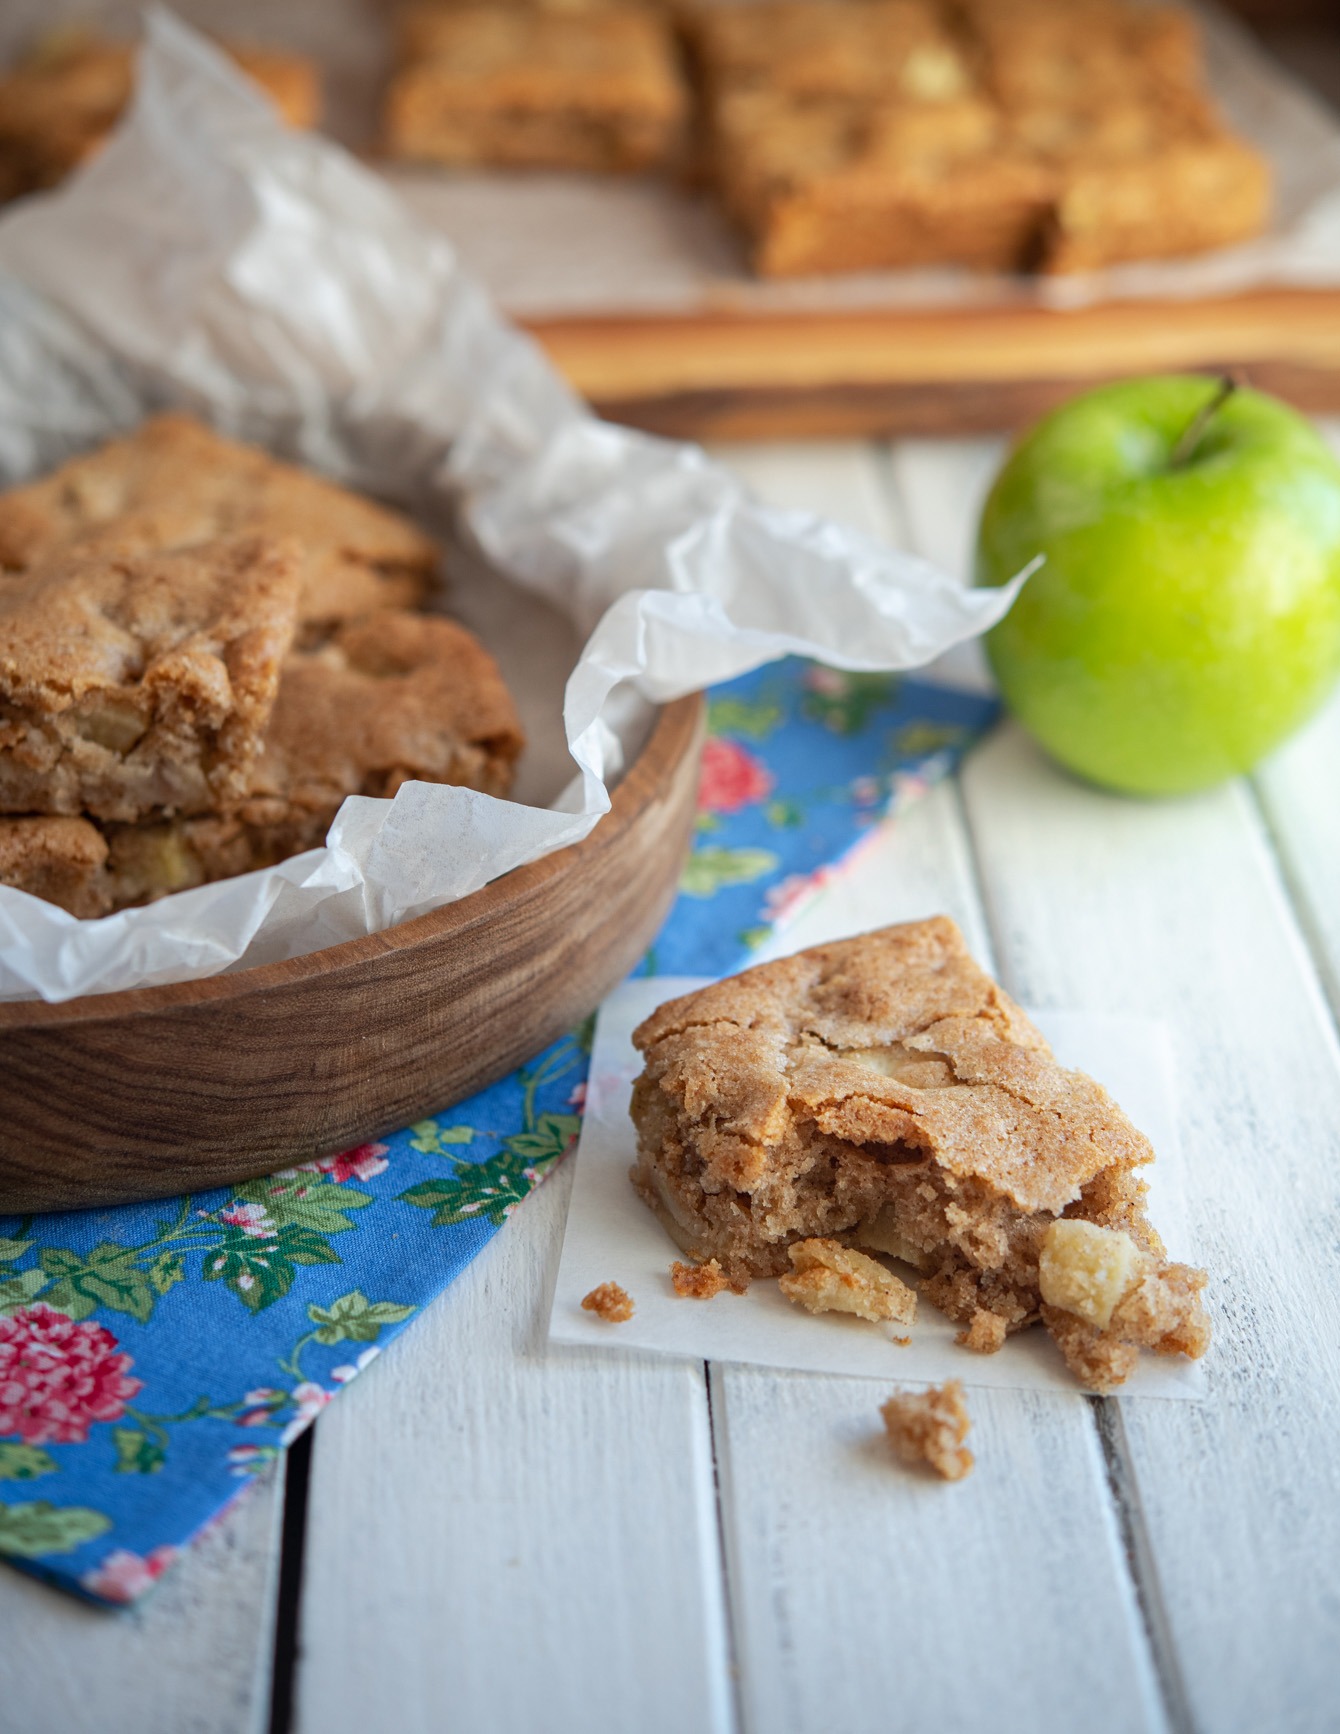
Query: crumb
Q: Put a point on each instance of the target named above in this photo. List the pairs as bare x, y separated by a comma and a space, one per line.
609, 1302
703, 1281
902, 1342
984, 1333
831, 1278
930, 1427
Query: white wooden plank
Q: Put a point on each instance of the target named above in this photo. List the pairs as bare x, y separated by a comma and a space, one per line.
193, 1658
940, 486
1175, 909
504, 1538
868, 1599
838, 479
885, 1601
1298, 791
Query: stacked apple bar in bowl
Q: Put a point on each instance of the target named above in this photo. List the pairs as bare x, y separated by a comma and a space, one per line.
203, 651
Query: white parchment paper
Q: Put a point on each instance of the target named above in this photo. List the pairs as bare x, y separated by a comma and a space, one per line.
211, 258
612, 1236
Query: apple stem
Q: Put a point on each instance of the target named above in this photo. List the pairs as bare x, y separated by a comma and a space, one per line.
1194, 431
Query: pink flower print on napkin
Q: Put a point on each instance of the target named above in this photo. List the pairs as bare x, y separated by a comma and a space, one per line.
308, 1402
252, 1219
731, 777
342, 1375
363, 1162
124, 1576
58, 1377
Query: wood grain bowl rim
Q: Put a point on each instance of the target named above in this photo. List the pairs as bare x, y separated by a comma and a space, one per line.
672, 735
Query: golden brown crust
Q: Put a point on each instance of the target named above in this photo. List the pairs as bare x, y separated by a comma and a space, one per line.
609, 1302
131, 683
927, 1429
58, 105
880, 50
885, 1093
591, 90
173, 482
62, 861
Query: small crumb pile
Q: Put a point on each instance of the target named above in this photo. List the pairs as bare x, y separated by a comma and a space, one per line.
609, 1302
702, 1281
929, 1427
831, 1278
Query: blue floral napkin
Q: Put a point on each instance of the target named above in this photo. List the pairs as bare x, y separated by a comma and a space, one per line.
153, 1358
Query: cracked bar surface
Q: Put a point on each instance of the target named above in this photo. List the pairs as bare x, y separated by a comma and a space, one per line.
885, 1093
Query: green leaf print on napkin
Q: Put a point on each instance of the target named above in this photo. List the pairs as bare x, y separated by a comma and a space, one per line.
707, 871
27, 1531
353, 1318
430, 1139
24, 1462
136, 1452
108, 1276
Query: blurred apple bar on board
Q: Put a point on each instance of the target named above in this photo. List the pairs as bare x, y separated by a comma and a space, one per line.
563, 89
1111, 99
1057, 135
61, 100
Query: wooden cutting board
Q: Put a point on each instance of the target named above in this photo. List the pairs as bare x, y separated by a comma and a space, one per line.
753, 375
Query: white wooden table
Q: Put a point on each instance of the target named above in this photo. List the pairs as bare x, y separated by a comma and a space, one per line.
486, 1537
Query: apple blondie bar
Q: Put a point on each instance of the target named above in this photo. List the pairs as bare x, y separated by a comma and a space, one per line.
60, 102
882, 1092
1031, 135
174, 482
132, 682
550, 89
388, 699
1110, 98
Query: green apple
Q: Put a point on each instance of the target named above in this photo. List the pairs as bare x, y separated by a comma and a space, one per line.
1186, 617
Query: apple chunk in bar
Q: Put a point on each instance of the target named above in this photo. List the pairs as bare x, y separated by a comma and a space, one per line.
882, 1093
135, 683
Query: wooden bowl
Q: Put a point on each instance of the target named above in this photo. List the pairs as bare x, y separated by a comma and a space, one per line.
163, 1090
